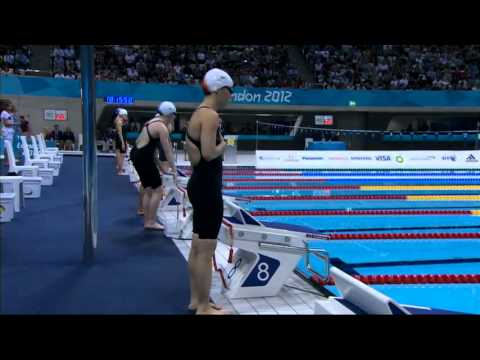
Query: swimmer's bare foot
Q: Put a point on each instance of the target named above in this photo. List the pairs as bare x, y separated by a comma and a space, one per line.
212, 311
155, 226
212, 305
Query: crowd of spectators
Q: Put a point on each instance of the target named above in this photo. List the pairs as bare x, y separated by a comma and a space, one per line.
65, 62
354, 67
249, 65
384, 67
14, 59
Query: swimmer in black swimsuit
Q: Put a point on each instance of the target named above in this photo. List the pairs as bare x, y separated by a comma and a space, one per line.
152, 145
205, 147
120, 124
165, 108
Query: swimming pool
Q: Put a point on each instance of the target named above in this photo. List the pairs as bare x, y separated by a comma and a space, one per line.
366, 203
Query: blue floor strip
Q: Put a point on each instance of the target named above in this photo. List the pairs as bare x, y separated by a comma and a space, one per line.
135, 272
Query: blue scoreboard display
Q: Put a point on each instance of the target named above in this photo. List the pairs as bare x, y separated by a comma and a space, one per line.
119, 100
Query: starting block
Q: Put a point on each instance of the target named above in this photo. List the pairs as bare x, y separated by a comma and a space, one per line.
175, 193
264, 260
132, 173
176, 199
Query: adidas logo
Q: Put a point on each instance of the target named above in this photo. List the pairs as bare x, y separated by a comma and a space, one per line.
471, 158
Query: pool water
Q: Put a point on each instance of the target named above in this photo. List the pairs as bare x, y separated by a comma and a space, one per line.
384, 257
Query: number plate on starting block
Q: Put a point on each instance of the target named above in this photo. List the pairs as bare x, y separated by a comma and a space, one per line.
247, 272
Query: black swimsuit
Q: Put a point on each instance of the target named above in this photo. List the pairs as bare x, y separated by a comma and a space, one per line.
144, 161
205, 194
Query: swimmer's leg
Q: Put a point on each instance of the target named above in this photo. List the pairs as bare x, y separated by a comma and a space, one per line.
200, 267
141, 194
153, 198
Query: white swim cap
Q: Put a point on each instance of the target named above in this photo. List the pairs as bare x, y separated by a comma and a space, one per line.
215, 79
122, 112
167, 108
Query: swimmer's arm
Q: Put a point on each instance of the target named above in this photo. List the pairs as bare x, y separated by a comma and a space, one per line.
208, 137
193, 152
119, 131
165, 167
157, 161
167, 148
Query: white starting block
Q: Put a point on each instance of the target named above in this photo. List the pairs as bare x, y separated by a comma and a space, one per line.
175, 194
134, 178
13, 184
127, 166
264, 260
357, 299
265, 257
174, 197
7, 206
176, 200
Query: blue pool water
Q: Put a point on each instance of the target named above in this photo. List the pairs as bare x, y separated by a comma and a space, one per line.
375, 257
308, 192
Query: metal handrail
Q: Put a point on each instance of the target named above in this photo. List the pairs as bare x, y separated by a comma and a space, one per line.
323, 255
306, 250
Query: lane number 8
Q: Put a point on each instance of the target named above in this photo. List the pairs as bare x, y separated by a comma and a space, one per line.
263, 274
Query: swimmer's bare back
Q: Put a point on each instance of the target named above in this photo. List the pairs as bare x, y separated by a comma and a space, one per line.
208, 118
153, 125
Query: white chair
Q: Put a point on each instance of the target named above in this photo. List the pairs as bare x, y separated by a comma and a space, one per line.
42, 145
37, 154
41, 139
32, 183
46, 175
44, 166
23, 170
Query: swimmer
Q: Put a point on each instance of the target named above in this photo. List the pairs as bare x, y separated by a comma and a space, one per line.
120, 124
152, 145
164, 165
205, 147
